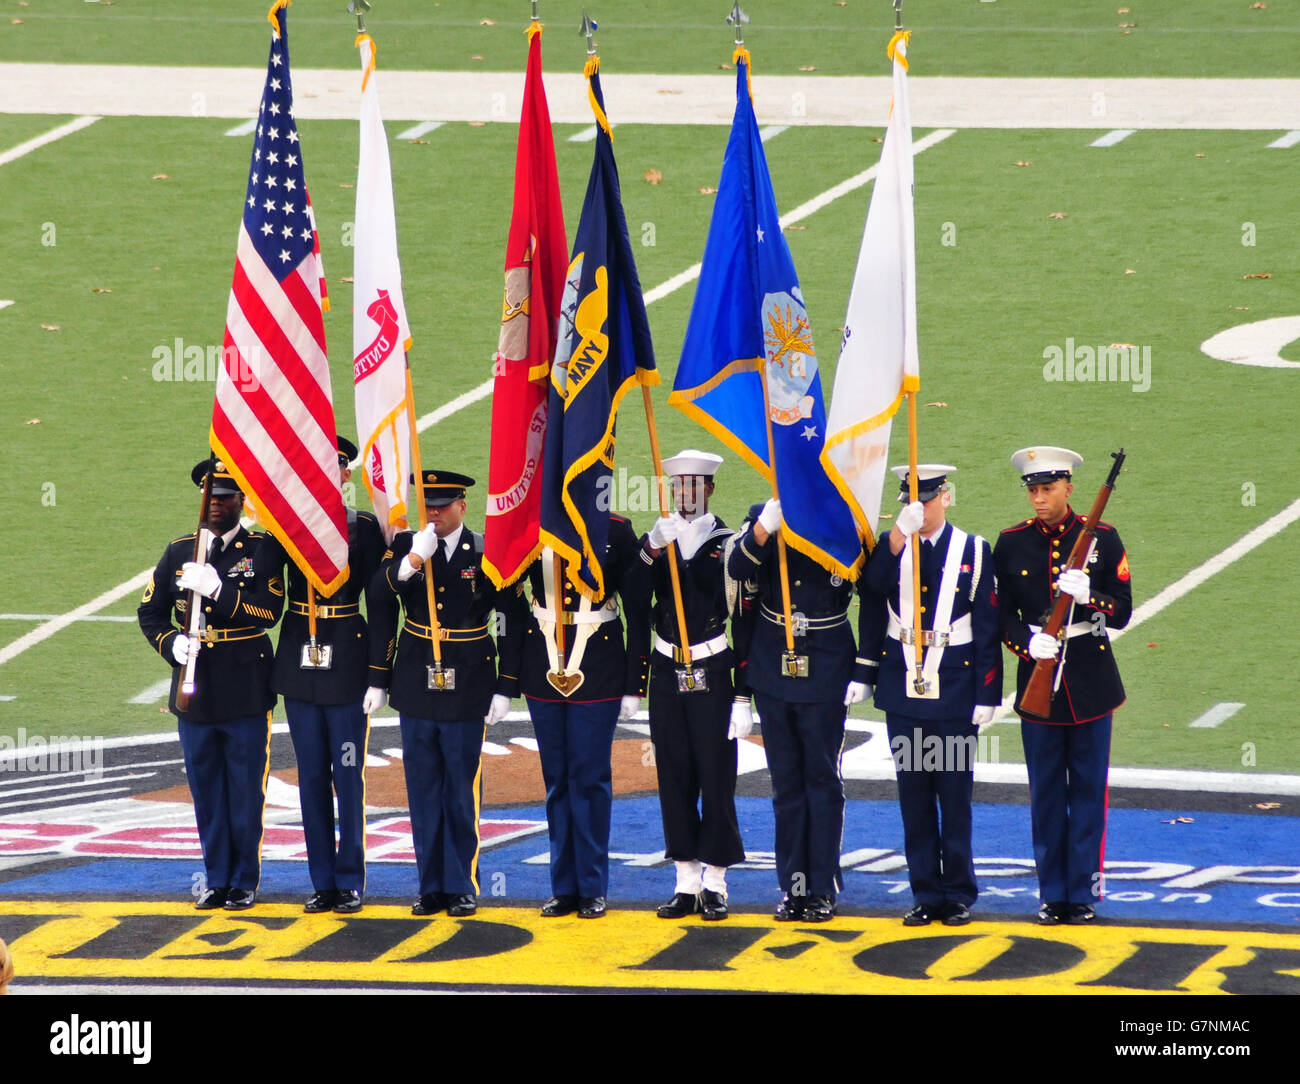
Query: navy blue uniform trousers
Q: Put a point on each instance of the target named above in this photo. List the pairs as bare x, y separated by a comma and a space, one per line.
575, 742
329, 742
803, 744
226, 765
936, 805
1068, 766
442, 762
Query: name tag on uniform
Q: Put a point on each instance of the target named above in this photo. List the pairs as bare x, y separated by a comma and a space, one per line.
693, 680
320, 657
441, 680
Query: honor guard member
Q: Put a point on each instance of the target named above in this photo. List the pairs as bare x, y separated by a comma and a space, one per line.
323, 691
694, 722
575, 733
933, 730
1068, 753
802, 700
225, 729
442, 702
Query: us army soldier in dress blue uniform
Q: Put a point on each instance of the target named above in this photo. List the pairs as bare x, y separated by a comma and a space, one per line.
443, 708
933, 731
1067, 754
323, 701
802, 717
695, 717
226, 730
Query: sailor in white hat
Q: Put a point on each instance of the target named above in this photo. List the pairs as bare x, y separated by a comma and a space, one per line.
694, 722
1067, 753
960, 688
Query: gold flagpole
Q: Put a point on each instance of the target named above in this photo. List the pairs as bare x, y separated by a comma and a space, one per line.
780, 537
673, 573
434, 628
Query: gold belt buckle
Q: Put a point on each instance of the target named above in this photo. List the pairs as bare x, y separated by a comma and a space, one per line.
794, 666
209, 635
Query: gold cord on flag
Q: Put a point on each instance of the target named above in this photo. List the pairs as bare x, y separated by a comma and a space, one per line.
370, 64
903, 36
589, 69
270, 15
740, 54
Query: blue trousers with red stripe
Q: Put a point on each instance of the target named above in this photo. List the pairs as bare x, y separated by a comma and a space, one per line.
1068, 766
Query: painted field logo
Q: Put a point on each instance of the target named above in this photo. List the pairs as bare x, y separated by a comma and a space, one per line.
1118, 363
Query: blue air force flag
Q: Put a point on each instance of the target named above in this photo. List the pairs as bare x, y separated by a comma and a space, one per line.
604, 349
748, 324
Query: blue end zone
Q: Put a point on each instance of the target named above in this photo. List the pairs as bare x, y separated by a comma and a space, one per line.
1155, 870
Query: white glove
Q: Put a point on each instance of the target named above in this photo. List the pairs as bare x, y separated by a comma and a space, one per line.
628, 707
374, 700
1042, 646
911, 518
856, 693
982, 715
497, 709
1074, 582
425, 542
181, 646
742, 719
770, 517
665, 530
204, 579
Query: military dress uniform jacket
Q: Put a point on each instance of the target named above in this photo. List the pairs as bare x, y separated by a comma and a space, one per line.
233, 671
969, 674
339, 623
820, 597
610, 669
465, 598
1029, 558
704, 601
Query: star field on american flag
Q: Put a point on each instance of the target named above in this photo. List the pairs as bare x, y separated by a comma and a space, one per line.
276, 211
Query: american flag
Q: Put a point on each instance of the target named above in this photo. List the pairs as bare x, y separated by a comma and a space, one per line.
273, 422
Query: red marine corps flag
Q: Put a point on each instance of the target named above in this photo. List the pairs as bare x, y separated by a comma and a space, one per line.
380, 335
273, 422
536, 260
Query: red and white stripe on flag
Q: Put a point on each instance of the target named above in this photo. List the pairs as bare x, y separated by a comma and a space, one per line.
380, 334
273, 421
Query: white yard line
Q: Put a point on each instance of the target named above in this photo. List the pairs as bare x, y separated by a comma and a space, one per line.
771, 130
243, 129
1288, 140
423, 128
585, 136
49, 137
1220, 713
49, 628
50, 617
1111, 138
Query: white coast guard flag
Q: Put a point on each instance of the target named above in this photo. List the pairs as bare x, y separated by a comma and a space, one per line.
878, 361
380, 333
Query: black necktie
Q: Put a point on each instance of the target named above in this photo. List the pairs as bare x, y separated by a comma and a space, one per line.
440, 556
214, 550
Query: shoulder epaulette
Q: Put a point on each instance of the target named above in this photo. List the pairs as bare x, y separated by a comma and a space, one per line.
1017, 527
184, 538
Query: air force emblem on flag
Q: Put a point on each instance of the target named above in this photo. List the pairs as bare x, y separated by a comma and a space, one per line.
791, 357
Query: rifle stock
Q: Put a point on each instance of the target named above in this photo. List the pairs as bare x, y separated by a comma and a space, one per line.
187, 687
1037, 697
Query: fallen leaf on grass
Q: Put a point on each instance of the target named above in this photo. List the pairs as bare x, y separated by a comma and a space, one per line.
1258, 6
1122, 26
487, 22
1057, 214
1129, 271
653, 176
796, 227
1241, 308
347, 186
160, 177
100, 290
934, 404
33, 421
476, 58
1122, 11
1268, 805
346, 278
1199, 154
808, 68
15, 22
1258, 275
725, 67
50, 327
419, 142
1024, 163
477, 123
876, 139
1121, 346
708, 191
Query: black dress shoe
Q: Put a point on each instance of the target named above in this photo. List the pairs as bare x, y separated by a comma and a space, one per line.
681, 905
1052, 914
955, 914
591, 907
1081, 914
713, 906
558, 906
461, 906
920, 915
240, 899
210, 899
819, 909
790, 909
347, 901
429, 904
320, 901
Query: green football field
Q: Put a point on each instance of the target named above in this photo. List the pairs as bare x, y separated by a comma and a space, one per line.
119, 241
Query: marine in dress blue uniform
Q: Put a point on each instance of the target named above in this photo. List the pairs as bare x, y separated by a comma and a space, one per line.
1068, 753
225, 731
323, 702
442, 711
695, 714
802, 717
575, 734
933, 734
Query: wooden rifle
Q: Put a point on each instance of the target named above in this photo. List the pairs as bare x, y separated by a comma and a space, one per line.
1037, 697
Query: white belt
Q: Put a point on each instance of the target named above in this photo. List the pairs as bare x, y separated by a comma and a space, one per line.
716, 646
1079, 628
959, 632
568, 617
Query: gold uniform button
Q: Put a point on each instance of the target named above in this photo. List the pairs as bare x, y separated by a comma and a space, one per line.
924, 588
1055, 568
1024, 572
442, 589
440, 605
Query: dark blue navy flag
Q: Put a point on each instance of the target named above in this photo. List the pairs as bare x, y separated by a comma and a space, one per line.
748, 328
604, 350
